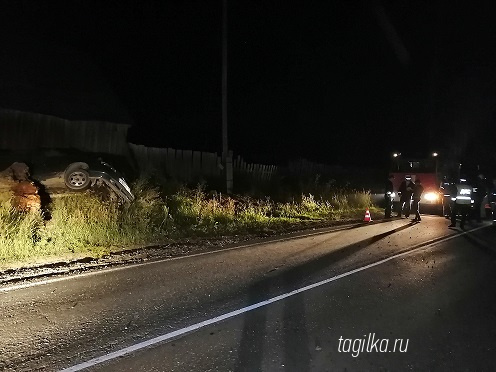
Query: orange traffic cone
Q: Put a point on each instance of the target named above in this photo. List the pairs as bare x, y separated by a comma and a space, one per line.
367, 217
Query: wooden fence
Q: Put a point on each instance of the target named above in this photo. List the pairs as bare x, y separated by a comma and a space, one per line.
188, 165
258, 171
29, 131
184, 165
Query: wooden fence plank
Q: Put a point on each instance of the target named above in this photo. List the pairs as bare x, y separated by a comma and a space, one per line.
197, 164
209, 163
188, 165
170, 159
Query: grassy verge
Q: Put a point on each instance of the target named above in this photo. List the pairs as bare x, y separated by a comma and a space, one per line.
89, 224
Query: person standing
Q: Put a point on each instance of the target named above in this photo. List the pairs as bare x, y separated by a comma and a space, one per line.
479, 195
388, 197
418, 189
405, 191
461, 195
444, 189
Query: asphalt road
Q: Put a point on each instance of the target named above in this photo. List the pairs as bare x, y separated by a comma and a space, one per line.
280, 306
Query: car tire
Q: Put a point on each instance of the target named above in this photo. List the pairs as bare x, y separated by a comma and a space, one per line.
76, 177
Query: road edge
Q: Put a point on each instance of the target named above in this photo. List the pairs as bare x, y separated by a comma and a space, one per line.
157, 253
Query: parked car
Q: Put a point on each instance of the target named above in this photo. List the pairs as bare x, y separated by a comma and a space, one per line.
75, 170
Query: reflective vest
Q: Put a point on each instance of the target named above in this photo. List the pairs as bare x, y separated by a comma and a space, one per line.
463, 194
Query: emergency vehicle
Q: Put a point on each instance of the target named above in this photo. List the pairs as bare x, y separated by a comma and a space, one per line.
427, 171
435, 176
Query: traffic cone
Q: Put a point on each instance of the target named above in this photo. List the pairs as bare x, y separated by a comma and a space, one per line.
367, 217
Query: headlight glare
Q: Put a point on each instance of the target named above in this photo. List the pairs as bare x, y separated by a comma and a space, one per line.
431, 196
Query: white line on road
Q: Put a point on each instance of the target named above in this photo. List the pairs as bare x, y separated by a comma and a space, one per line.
194, 327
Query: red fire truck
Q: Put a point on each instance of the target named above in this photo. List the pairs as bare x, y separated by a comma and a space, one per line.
432, 172
427, 171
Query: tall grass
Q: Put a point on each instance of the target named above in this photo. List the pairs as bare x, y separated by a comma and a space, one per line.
89, 223
333, 206
19, 233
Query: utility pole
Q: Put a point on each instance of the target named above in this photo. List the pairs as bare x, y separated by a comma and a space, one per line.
226, 157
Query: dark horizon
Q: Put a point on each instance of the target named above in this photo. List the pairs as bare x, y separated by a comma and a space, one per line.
337, 82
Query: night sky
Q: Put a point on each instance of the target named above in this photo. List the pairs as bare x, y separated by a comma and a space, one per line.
337, 82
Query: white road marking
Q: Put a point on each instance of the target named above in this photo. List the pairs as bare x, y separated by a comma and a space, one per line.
205, 323
14, 287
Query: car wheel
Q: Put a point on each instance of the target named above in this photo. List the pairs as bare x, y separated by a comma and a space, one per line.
76, 177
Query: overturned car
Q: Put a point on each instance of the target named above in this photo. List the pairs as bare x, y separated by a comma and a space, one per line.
79, 176
62, 170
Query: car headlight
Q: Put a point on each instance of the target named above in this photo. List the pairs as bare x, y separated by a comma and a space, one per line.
431, 196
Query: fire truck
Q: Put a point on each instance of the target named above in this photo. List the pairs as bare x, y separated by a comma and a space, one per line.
434, 175
427, 170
